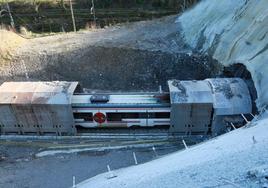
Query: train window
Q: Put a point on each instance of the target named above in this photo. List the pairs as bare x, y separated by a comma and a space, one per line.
85, 116
131, 115
142, 115
114, 116
120, 116
159, 115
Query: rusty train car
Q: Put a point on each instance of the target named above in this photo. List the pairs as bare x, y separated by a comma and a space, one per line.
203, 107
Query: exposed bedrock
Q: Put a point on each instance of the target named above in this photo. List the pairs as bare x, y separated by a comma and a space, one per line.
232, 32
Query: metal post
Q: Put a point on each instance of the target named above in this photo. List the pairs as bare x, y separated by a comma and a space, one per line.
154, 150
233, 126
243, 116
71, 6
74, 182
109, 169
93, 12
11, 18
135, 158
185, 145
160, 89
111, 175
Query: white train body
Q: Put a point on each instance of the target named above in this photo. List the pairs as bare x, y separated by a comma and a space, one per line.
190, 107
121, 110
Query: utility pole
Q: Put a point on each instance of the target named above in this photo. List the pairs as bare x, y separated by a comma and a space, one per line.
2, 13
71, 6
92, 10
11, 18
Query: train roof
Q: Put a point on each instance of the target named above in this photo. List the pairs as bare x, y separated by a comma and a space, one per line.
57, 92
188, 92
228, 95
122, 100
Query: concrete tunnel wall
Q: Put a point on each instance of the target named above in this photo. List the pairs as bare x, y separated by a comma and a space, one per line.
232, 32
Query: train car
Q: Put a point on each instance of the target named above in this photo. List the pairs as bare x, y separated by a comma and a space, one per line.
121, 110
189, 108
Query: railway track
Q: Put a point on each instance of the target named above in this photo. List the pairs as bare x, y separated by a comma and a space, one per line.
136, 134
109, 135
102, 140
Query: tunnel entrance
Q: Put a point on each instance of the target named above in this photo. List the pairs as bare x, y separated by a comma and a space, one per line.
239, 70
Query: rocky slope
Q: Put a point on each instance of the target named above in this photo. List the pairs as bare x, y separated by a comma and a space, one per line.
132, 57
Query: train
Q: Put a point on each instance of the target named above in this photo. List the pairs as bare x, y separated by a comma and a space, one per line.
190, 107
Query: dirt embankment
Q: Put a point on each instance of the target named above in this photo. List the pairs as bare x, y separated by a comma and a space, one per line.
9, 42
134, 57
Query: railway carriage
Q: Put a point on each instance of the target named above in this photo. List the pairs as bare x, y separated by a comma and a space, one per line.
189, 108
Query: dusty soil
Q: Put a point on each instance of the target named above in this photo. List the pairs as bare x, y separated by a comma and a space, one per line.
8, 45
131, 57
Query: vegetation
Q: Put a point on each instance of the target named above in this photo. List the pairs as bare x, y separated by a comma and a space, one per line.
54, 15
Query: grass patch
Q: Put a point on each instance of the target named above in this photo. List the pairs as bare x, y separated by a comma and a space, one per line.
9, 42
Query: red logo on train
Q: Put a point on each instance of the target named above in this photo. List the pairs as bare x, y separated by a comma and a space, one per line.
99, 117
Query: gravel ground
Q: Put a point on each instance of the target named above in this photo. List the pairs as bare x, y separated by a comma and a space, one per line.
129, 57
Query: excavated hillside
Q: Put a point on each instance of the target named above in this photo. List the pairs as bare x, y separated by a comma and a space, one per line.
133, 57
9, 42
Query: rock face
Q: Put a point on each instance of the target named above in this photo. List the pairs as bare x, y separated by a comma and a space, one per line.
232, 32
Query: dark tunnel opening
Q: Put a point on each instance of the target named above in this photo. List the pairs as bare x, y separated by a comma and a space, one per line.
240, 70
